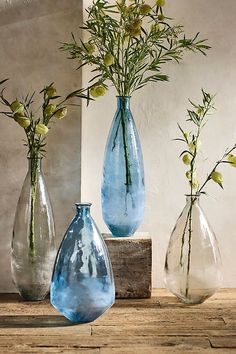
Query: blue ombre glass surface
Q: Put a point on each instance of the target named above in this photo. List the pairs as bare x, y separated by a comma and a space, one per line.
123, 174
82, 287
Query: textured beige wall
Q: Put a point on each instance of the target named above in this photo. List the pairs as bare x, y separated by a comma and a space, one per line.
29, 56
156, 109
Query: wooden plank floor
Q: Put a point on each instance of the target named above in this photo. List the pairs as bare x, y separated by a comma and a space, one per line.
158, 325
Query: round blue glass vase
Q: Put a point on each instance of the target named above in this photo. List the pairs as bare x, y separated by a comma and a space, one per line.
123, 190
82, 287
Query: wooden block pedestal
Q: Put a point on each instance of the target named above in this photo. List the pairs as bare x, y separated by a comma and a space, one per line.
131, 259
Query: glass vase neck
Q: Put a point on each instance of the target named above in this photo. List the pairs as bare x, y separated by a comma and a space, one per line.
83, 209
35, 163
192, 198
123, 102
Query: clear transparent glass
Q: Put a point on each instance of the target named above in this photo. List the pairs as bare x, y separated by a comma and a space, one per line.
82, 286
33, 244
123, 190
193, 262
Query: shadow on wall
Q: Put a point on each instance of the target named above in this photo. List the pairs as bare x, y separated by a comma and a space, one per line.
30, 35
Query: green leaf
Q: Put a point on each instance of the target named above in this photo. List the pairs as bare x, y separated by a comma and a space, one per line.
2, 82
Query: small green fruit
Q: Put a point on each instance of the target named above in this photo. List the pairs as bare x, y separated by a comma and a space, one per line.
137, 23
161, 17
41, 129
195, 184
188, 174
145, 9
61, 113
100, 91
109, 59
160, 3
232, 160
186, 159
89, 48
24, 122
217, 177
129, 9
193, 146
97, 91
93, 91
51, 91
49, 110
17, 107
135, 32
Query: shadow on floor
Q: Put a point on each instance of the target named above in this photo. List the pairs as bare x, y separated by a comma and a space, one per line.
30, 321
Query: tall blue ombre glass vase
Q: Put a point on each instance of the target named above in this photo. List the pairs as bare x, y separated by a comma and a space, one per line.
82, 287
123, 190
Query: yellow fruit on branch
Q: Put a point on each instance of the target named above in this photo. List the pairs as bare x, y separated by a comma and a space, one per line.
194, 184
61, 113
137, 23
186, 159
51, 91
17, 107
41, 129
24, 122
49, 110
145, 9
98, 90
109, 59
89, 48
161, 17
232, 160
160, 3
217, 177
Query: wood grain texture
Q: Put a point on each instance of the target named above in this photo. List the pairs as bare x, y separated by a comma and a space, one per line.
160, 324
131, 260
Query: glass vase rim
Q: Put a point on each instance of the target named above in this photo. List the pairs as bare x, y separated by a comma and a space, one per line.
84, 204
125, 96
195, 195
35, 158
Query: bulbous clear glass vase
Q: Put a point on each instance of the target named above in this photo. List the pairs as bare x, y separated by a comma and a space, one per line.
123, 190
193, 262
82, 286
33, 249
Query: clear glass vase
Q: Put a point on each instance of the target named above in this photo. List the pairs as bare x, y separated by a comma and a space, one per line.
82, 286
123, 188
33, 244
193, 262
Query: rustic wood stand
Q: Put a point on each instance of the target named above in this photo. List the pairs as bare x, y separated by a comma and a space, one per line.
159, 325
131, 259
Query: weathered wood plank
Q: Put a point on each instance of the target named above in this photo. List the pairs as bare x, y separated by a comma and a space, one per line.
22, 349
131, 259
223, 342
164, 350
160, 324
96, 341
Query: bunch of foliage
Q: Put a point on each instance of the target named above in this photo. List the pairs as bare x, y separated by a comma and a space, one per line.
36, 124
128, 43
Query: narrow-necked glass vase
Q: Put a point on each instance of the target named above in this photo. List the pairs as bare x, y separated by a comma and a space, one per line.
82, 286
33, 249
193, 262
123, 190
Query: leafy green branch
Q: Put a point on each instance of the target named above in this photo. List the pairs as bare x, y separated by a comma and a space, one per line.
36, 128
128, 44
198, 118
